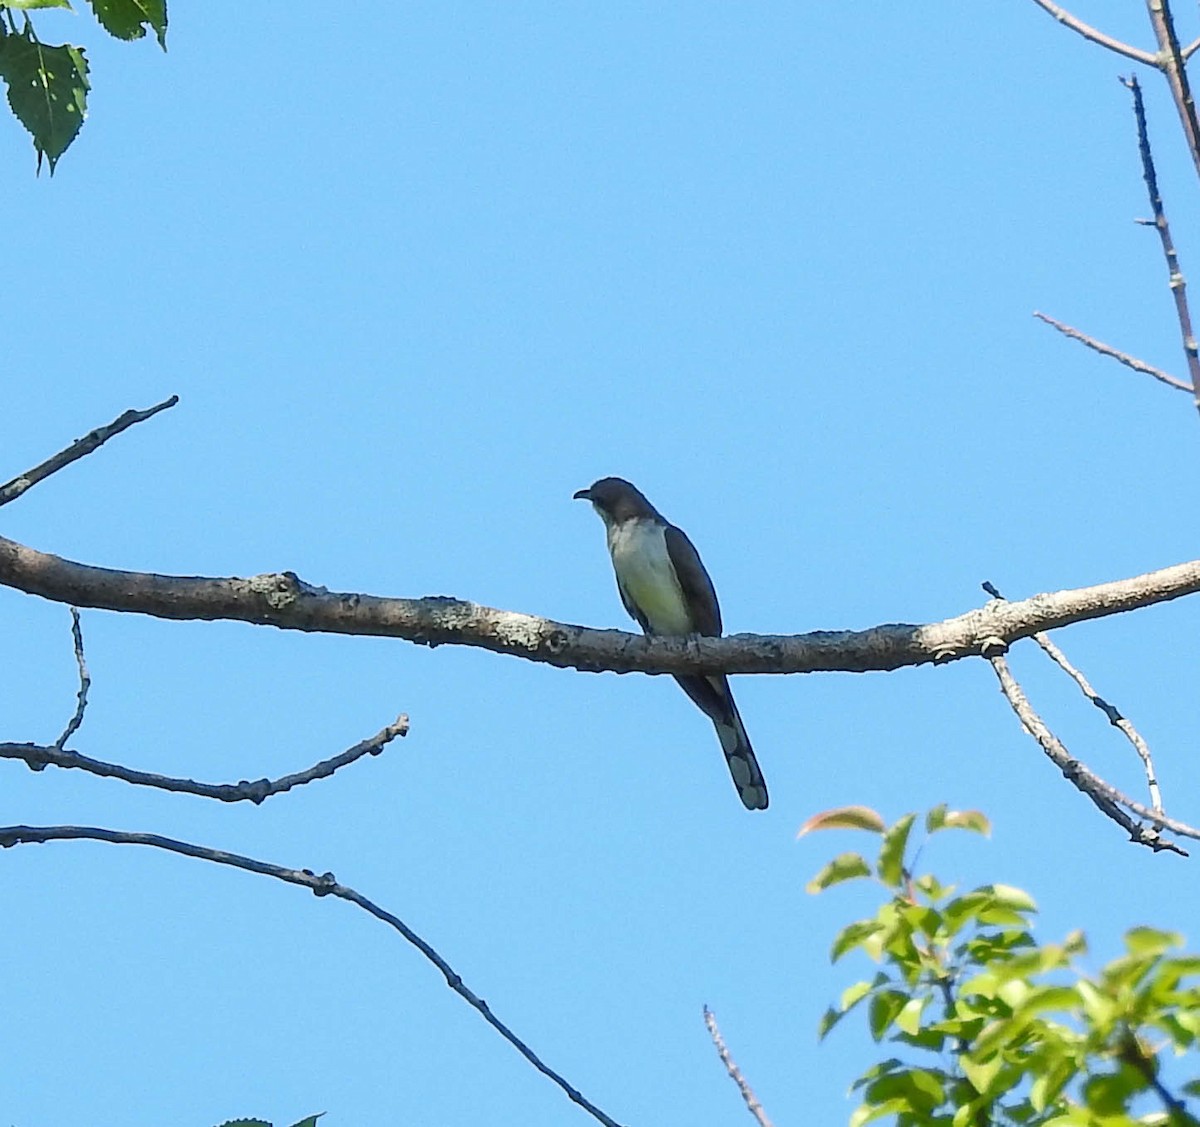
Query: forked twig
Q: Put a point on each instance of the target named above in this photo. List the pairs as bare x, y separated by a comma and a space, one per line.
81, 447
735, 1073
1106, 797
324, 885
1114, 715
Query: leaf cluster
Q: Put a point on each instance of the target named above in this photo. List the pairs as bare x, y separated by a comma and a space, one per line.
47, 84
995, 1028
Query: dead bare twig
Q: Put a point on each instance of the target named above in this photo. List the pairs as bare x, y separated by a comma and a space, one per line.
39, 756
85, 683
1111, 712
10, 491
1121, 357
1175, 278
1110, 801
735, 1073
324, 885
1093, 35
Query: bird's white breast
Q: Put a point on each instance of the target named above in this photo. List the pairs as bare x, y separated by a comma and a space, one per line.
644, 571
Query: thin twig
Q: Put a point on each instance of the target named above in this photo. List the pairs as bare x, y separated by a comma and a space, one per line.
81, 447
324, 885
1190, 49
37, 756
1175, 277
1114, 715
85, 683
1088, 32
1122, 357
1106, 797
735, 1073
1170, 60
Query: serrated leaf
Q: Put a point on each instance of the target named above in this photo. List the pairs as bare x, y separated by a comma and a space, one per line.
843, 818
891, 854
844, 867
47, 91
245, 1123
128, 19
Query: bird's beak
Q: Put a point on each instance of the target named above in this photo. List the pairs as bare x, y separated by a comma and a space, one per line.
583, 495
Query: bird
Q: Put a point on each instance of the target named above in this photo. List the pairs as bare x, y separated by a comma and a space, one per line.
666, 589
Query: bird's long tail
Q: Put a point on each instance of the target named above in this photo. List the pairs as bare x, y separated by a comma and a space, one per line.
713, 696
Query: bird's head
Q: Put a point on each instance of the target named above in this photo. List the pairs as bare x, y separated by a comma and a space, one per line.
616, 500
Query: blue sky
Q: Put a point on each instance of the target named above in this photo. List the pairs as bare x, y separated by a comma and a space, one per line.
417, 275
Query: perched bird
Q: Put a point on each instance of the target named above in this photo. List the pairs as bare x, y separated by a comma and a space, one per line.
665, 588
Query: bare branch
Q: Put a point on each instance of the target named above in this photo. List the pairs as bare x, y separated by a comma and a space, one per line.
79, 449
1115, 718
1088, 32
85, 683
1190, 49
1175, 277
735, 1073
285, 601
1108, 350
38, 756
324, 885
1107, 798
1170, 60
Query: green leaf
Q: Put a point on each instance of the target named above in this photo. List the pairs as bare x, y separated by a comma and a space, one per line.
865, 1113
853, 935
128, 19
1151, 941
47, 90
31, 4
891, 853
885, 1006
843, 818
246, 1123
308, 1121
845, 866
939, 818
909, 1018
981, 1073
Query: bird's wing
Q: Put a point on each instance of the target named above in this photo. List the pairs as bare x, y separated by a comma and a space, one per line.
697, 588
634, 612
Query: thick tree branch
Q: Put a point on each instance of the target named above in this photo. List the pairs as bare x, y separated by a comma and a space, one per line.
324, 885
285, 601
10, 491
38, 756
